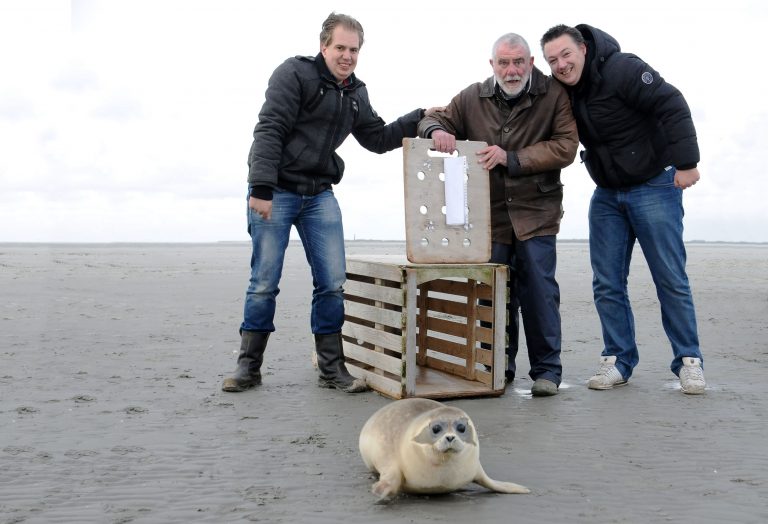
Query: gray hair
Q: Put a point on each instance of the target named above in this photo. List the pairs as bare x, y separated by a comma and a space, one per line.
512, 40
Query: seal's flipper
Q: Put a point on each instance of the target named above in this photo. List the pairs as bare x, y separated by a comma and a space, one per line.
496, 485
389, 484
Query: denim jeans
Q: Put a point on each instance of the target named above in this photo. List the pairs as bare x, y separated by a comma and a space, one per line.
652, 214
535, 291
318, 220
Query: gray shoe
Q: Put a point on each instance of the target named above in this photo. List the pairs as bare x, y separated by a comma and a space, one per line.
543, 388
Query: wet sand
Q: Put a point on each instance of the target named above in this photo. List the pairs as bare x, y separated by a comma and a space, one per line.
112, 356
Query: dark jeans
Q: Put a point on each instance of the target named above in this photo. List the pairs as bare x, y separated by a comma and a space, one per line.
533, 291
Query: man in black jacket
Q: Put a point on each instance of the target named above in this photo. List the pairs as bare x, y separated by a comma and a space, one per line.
311, 105
641, 151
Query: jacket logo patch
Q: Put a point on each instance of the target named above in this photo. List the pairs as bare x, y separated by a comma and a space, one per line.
647, 78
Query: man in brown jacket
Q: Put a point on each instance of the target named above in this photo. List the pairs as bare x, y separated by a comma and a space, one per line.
526, 119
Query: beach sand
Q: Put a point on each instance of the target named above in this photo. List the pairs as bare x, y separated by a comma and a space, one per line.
111, 409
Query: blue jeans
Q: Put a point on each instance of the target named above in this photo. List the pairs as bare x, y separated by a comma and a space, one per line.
651, 213
318, 220
534, 290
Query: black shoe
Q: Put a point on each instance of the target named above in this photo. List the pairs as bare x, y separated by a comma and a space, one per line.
247, 374
330, 362
241, 380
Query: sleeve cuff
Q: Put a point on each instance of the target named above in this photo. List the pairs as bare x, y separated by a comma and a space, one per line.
261, 192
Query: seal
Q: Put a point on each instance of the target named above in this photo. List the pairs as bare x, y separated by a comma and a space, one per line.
418, 445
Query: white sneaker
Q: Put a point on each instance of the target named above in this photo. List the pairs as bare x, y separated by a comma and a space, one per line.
692, 376
607, 376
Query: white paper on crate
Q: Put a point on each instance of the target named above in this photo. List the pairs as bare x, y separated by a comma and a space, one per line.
455, 191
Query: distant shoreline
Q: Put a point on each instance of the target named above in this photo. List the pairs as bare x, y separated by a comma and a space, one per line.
298, 242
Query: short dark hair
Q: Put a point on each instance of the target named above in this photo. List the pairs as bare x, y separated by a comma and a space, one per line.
560, 30
333, 21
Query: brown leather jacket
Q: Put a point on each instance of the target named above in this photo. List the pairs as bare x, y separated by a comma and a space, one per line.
539, 132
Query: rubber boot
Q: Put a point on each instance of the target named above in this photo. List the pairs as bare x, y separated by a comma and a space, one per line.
248, 374
330, 362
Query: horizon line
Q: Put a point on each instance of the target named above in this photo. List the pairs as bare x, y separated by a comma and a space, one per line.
298, 241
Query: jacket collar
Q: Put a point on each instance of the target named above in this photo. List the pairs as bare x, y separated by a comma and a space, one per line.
326, 74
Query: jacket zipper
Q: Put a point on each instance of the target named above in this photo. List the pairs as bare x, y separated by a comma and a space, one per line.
332, 138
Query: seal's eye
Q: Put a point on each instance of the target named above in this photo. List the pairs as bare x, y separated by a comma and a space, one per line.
437, 428
461, 428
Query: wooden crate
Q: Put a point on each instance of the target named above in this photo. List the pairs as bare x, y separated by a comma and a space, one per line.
426, 330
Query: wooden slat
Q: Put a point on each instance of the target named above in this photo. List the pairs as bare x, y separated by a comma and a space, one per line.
480, 272
378, 360
378, 315
484, 334
422, 319
447, 347
376, 337
389, 295
460, 288
447, 306
409, 353
500, 299
372, 268
443, 365
384, 385
483, 377
484, 356
484, 291
485, 313
471, 322
448, 327
449, 287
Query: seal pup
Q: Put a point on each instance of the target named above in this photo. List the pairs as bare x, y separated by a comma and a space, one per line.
418, 445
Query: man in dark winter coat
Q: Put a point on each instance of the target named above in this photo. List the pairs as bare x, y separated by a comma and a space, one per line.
526, 119
312, 104
641, 151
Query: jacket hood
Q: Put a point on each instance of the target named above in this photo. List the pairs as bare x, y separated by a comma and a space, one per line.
603, 44
600, 46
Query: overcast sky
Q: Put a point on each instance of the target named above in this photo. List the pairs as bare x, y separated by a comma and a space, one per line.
125, 121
